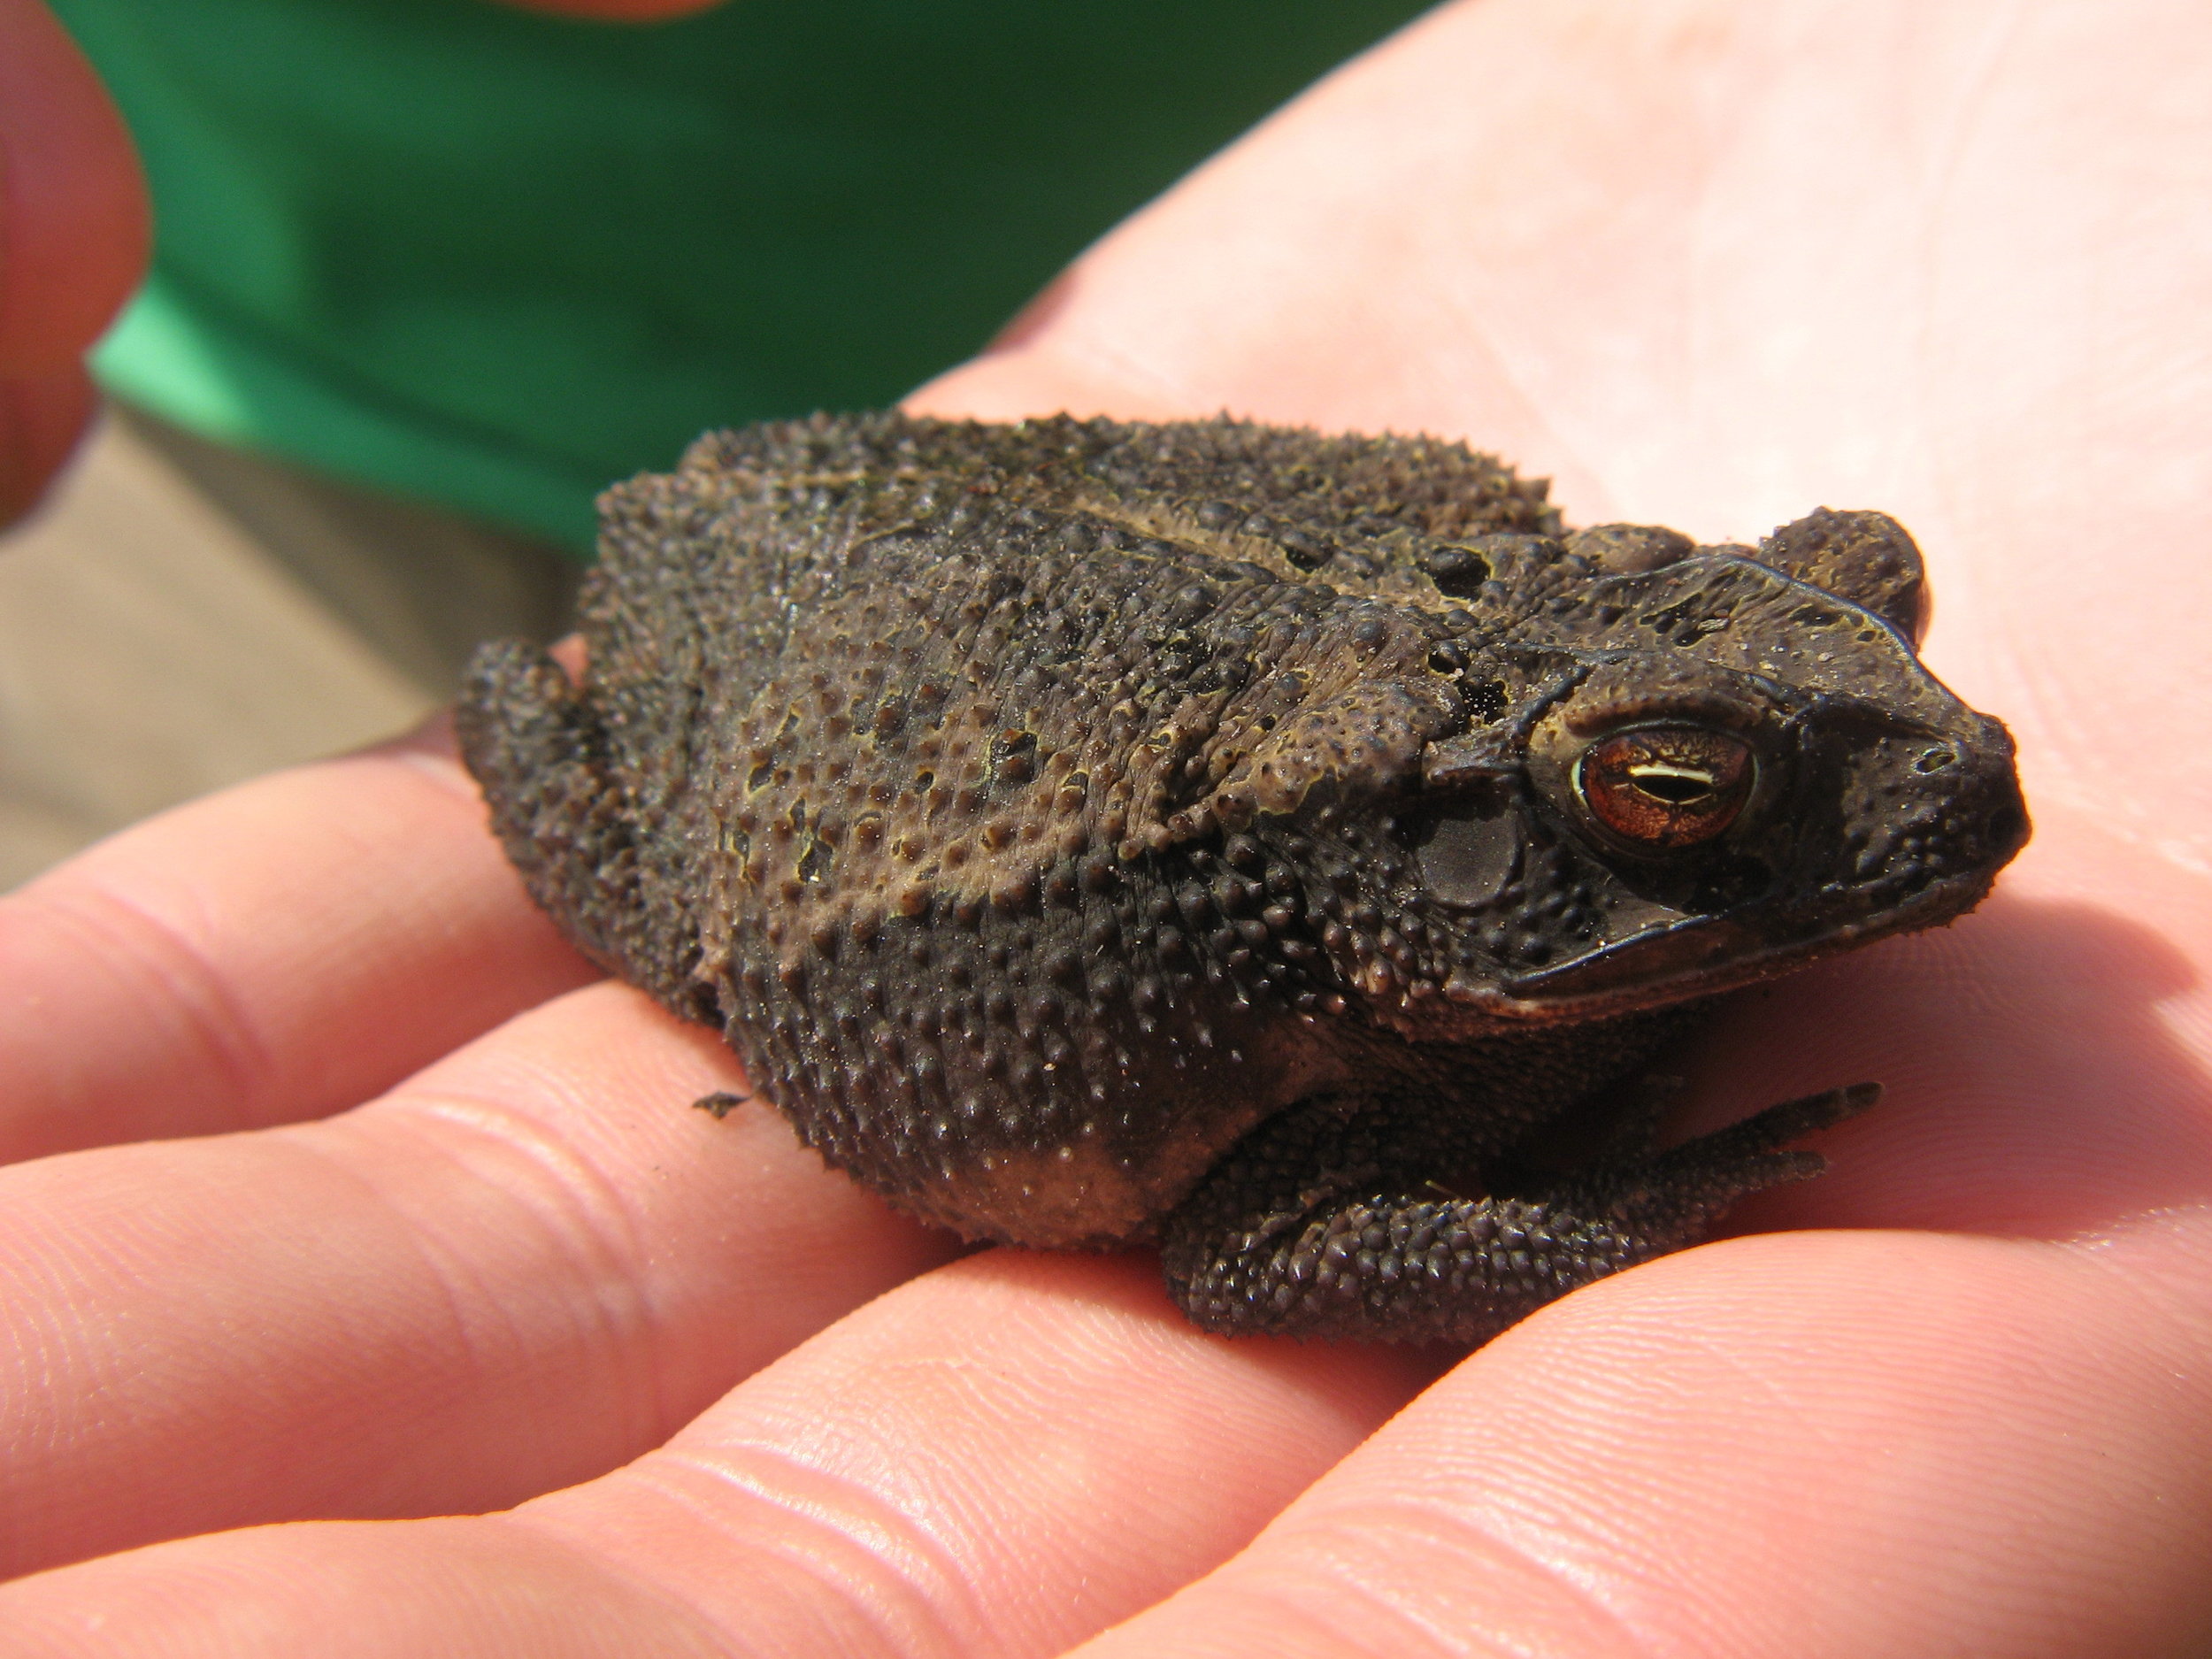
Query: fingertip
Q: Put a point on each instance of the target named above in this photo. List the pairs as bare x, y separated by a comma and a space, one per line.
75, 220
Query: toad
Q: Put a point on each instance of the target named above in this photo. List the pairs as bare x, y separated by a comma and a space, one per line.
1289, 848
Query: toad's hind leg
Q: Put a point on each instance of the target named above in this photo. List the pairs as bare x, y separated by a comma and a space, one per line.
1320, 1224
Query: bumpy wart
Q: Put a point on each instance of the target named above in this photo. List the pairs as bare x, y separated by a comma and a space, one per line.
1233, 835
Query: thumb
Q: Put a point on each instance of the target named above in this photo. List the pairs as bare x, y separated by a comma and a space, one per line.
74, 230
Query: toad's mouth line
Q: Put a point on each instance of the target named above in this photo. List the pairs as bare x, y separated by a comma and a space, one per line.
1703, 956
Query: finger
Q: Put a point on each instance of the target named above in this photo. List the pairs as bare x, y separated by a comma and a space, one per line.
74, 230
74, 226
42, 416
994, 1461
526, 1265
1802, 1445
275, 952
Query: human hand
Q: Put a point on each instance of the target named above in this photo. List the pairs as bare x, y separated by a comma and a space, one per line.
1708, 263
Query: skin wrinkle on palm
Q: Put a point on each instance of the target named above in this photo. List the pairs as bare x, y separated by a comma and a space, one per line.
1984, 1396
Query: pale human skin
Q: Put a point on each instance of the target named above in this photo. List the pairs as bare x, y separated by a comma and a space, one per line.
1707, 262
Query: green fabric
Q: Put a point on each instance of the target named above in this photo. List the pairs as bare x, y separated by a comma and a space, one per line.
494, 259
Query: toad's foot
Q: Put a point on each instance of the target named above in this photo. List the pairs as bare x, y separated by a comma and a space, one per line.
1319, 1224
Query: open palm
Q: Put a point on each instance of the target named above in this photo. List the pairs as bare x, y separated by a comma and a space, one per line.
1707, 262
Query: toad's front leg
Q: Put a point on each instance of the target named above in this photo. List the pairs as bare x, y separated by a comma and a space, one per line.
1325, 1222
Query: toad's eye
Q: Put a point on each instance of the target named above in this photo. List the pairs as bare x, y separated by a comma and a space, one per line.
1658, 788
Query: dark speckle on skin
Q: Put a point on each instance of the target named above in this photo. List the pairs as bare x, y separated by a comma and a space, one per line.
1266, 843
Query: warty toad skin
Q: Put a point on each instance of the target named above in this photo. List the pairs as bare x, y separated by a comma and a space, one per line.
1272, 844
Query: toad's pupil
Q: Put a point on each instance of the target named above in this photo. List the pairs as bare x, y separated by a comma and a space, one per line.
1673, 785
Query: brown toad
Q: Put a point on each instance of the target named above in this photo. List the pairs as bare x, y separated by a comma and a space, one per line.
1234, 835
